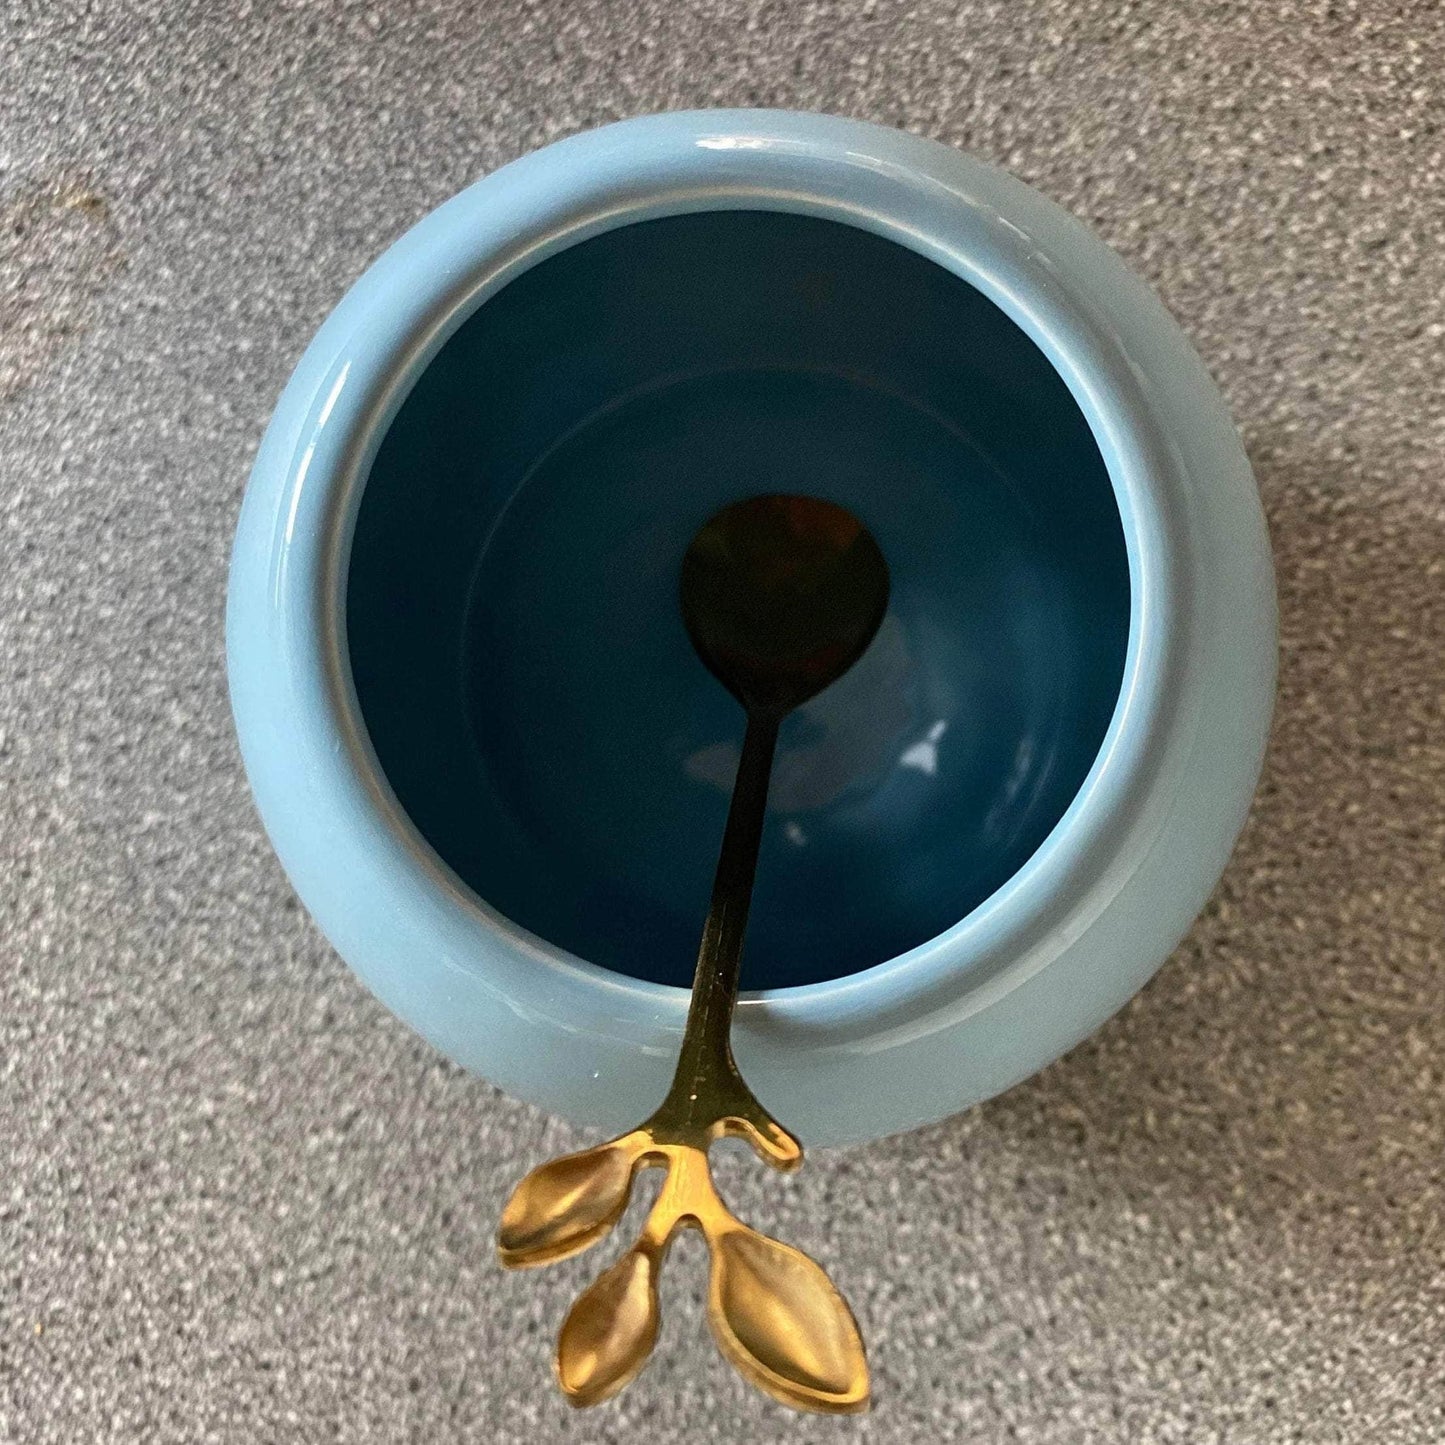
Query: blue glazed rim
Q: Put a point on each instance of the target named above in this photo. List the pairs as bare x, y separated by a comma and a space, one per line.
1034, 967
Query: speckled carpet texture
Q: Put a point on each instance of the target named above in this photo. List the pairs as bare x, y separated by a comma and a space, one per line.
239, 1202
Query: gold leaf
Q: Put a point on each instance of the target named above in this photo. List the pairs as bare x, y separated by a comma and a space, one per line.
610, 1331
783, 1326
565, 1206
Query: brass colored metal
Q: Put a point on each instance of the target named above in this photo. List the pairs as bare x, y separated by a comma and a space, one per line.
781, 595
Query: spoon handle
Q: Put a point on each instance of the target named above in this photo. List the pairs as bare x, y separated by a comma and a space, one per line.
707, 1081
775, 1314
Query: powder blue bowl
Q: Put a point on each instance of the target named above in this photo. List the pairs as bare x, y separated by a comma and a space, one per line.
475, 728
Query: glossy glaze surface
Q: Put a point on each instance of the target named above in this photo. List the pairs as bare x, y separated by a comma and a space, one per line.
1042, 960
513, 622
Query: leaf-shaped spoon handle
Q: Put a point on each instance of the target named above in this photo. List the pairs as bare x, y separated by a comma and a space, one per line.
781, 595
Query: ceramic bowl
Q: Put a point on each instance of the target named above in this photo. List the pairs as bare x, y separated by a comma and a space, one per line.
481, 742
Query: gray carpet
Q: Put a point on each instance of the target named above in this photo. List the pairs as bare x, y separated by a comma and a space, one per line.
241, 1203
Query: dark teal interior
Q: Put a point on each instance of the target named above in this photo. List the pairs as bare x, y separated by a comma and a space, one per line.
512, 614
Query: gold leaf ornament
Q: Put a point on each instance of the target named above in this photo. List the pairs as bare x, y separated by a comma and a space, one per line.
611, 1329
566, 1206
775, 1314
782, 1324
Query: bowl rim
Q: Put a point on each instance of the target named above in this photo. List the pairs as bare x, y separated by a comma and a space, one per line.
287, 602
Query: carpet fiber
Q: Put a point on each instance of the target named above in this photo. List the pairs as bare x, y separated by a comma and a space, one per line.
240, 1203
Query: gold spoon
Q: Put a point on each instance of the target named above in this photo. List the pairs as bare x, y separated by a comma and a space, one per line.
781, 596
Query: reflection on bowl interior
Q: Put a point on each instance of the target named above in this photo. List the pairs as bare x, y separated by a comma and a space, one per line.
513, 627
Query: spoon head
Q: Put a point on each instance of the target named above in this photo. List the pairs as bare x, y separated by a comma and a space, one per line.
782, 595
